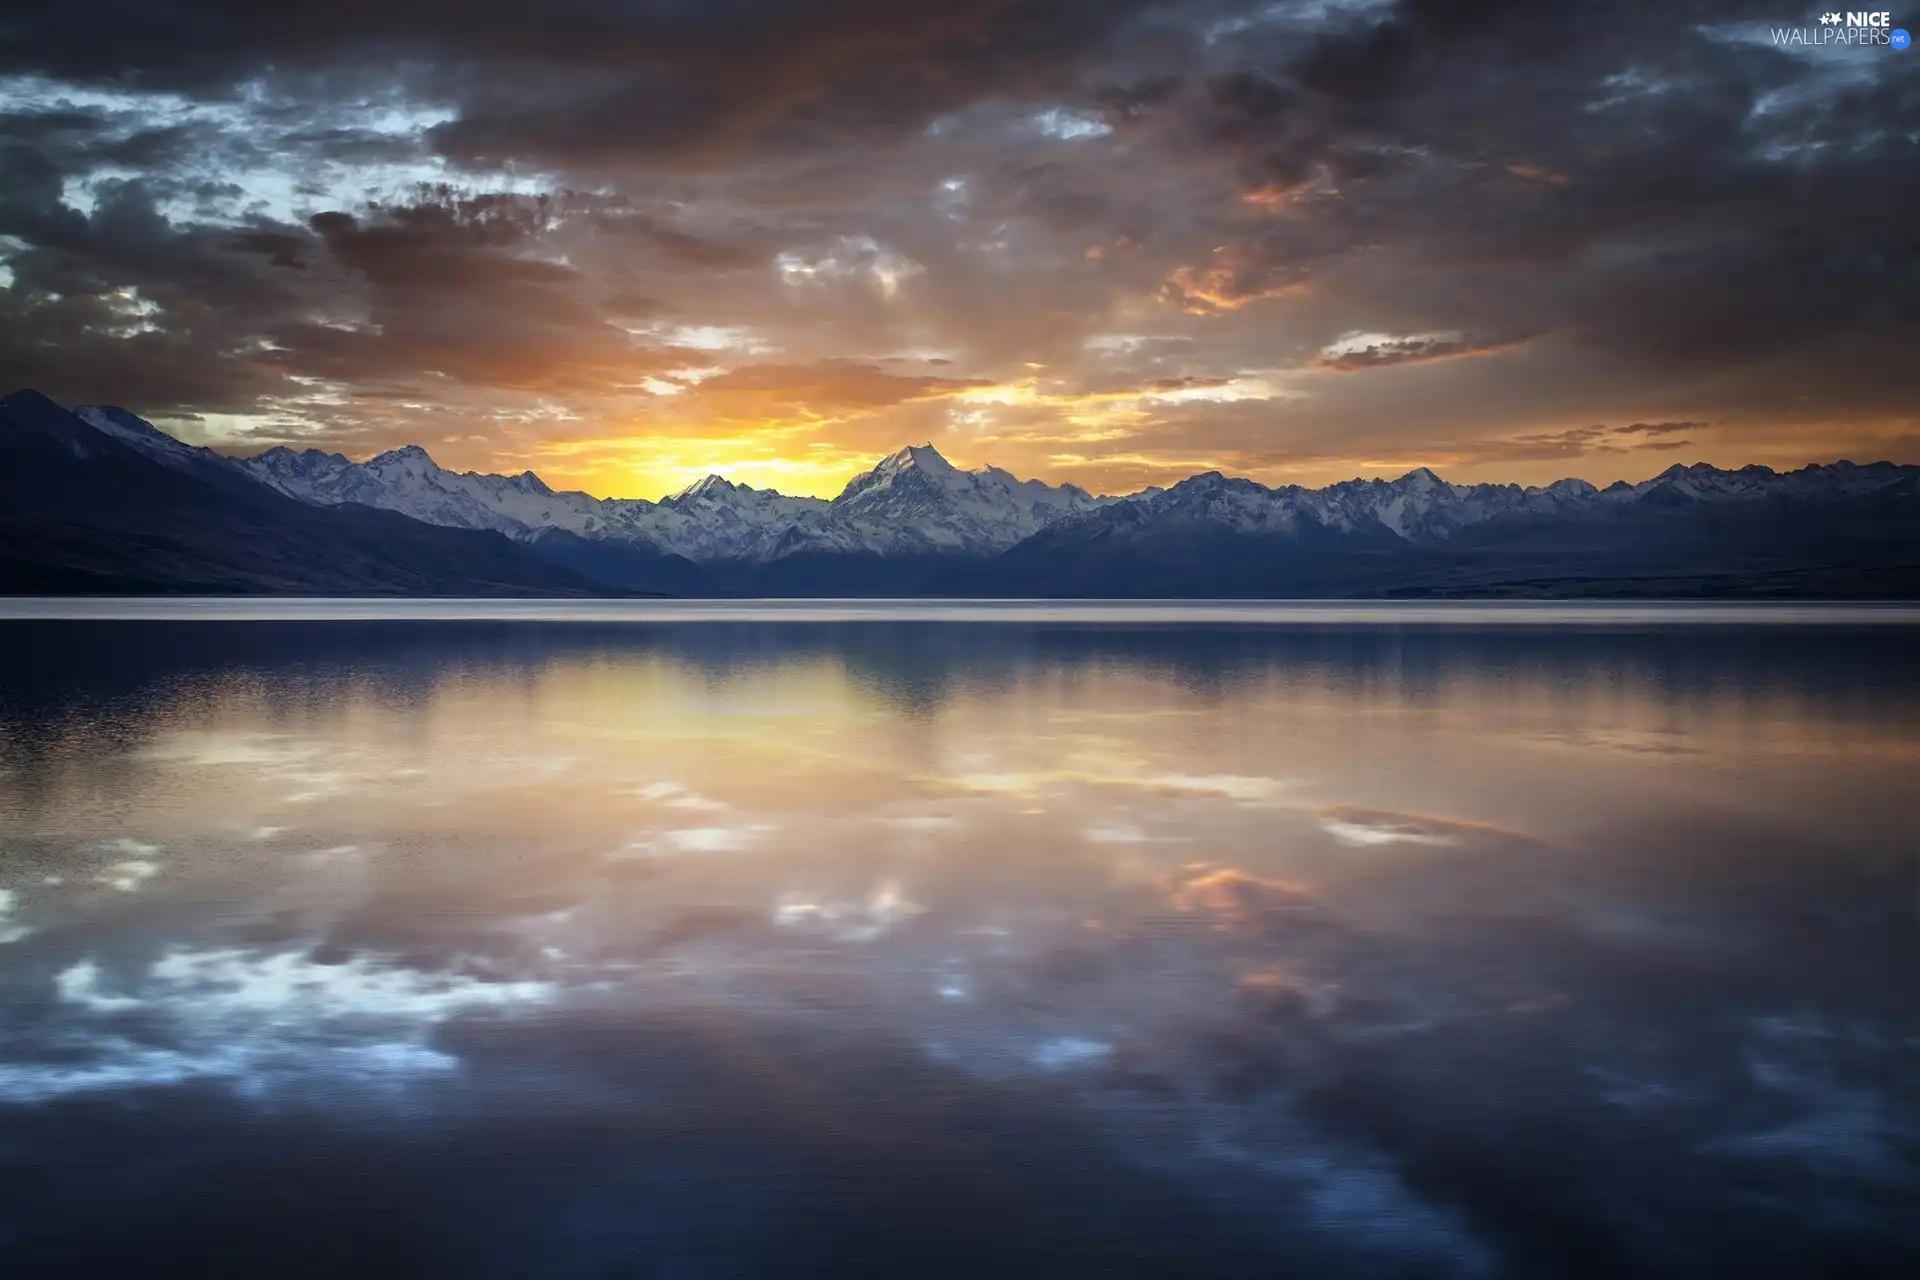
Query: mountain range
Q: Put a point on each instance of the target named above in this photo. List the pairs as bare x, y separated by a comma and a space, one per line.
99, 500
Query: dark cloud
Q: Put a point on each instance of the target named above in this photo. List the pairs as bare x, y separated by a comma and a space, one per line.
1657, 428
1653, 181
1578, 442
1417, 350
589, 81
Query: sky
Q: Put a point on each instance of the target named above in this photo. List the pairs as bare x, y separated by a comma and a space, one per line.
626, 243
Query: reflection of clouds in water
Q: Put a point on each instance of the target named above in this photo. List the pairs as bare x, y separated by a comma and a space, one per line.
674, 796
298, 763
1840, 1132
79, 984
1002, 1054
847, 920
316, 784
1124, 833
1626, 740
1805, 1112
1063, 1053
922, 823
303, 769
1352, 1193
1382, 1057
1632, 1093
133, 870
736, 838
1235, 899
253, 1019
11, 930
1012, 784
218, 749
1190, 1048
543, 767
1227, 786
334, 853
1658, 926
1363, 834
129, 875
716, 839
1245, 790
1189, 1062
1367, 828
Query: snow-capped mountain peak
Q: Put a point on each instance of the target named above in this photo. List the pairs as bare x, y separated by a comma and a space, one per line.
1421, 480
919, 464
915, 502
922, 457
712, 486
1571, 488
408, 456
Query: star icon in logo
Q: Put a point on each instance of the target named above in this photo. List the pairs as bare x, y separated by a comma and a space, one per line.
1829, 19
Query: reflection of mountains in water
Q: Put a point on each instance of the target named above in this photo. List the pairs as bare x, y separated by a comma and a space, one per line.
105, 670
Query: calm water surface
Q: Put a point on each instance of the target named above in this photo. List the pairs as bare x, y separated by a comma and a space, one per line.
908, 947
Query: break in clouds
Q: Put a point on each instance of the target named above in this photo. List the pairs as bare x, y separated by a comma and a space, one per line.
1109, 242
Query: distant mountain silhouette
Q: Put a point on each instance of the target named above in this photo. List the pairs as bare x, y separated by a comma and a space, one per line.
99, 501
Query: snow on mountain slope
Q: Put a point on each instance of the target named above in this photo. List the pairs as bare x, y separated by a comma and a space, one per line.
1419, 507
716, 519
918, 503
1703, 483
150, 440
408, 480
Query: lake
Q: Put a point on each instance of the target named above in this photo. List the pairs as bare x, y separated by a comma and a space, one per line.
689, 940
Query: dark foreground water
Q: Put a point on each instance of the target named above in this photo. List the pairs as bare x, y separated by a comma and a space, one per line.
911, 948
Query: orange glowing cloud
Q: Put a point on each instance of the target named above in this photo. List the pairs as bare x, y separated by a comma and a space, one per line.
1235, 900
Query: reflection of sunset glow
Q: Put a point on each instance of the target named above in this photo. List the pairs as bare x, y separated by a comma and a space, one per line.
1180, 885
1236, 899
